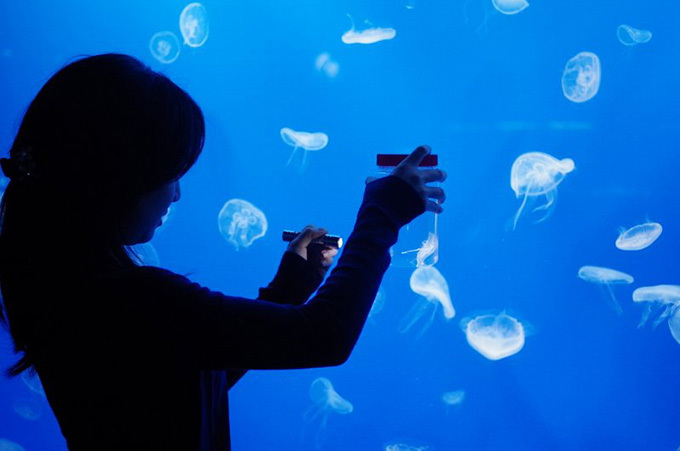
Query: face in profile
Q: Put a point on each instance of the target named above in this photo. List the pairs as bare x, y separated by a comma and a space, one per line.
147, 214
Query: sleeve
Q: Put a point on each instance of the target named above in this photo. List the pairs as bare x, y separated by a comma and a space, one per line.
294, 282
214, 331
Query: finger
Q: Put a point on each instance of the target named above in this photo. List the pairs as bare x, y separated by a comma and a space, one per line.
433, 207
416, 156
432, 175
434, 192
308, 234
326, 262
330, 253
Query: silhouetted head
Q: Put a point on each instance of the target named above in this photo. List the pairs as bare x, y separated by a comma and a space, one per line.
97, 158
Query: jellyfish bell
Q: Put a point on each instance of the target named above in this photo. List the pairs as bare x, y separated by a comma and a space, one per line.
367, 36
674, 323
510, 7
303, 140
606, 277
661, 299
8, 445
535, 174
164, 46
630, 36
639, 237
451, 398
428, 282
494, 336
241, 223
193, 23
581, 77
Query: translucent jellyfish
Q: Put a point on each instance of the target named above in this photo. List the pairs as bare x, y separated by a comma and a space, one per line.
8, 445
581, 77
674, 324
33, 383
639, 237
605, 278
404, 447
241, 223
536, 175
453, 398
510, 6
661, 300
378, 304
164, 46
326, 65
632, 36
429, 283
193, 23
28, 408
146, 254
494, 336
326, 402
367, 36
303, 140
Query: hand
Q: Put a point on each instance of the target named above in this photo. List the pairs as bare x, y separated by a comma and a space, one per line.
318, 255
418, 178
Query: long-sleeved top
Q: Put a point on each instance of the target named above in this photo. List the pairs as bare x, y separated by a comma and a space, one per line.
142, 358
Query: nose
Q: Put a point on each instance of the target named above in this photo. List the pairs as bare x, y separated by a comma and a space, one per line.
178, 193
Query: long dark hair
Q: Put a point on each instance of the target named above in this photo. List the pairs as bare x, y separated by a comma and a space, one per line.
100, 133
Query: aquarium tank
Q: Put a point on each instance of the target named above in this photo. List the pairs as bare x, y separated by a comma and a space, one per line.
550, 317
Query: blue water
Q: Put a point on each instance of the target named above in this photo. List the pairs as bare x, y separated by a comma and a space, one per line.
481, 88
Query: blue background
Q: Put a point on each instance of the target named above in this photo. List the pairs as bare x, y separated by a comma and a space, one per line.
481, 88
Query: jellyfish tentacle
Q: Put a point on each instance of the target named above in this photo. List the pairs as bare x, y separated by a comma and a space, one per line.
548, 207
668, 309
320, 435
613, 303
645, 315
413, 315
428, 323
521, 207
292, 154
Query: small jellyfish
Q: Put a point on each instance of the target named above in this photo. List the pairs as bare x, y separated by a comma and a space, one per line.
674, 324
326, 401
8, 445
537, 174
453, 398
606, 277
193, 23
303, 140
581, 77
378, 304
367, 36
326, 65
510, 6
660, 299
241, 223
632, 36
429, 283
145, 254
28, 408
33, 383
164, 46
494, 336
639, 237
404, 447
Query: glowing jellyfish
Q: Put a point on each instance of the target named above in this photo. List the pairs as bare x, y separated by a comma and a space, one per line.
632, 36
494, 336
326, 65
663, 300
510, 6
428, 254
146, 254
27, 408
606, 277
534, 175
326, 402
303, 140
404, 447
164, 46
8, 445
367, 36
674, 324
639, 237
193, 23
241, 223
429, 283
453, 398
581, 77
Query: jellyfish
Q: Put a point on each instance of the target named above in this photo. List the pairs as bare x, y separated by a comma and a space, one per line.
404, 447
8, 445
164, 46
510, 6
303, 140
378, 304
663, 300
674, 324
639, 237
429, 283
241, 223
453, 398
581, 77
632, 36
367, 36
537, 174
325, 64
605, 277
32, 381
193, 23
326, 401
27, 408
146, 254
494, 336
